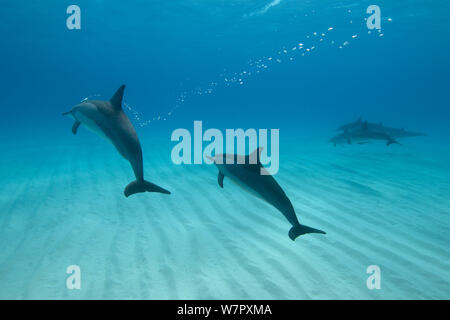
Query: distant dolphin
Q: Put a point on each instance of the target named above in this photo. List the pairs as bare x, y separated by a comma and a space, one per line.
402, 133
362, 135
107, 119
365, 133
249, 176
378, 127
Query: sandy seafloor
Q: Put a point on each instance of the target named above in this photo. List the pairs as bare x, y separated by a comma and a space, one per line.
63, 205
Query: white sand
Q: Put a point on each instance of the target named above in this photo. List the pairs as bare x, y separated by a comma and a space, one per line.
63, 206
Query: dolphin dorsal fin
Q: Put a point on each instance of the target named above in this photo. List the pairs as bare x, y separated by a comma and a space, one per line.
116, 100
255, 155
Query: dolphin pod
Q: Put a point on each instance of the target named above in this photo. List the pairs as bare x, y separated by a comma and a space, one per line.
107, 119
362, 132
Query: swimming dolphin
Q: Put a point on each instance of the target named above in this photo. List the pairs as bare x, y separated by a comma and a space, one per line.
362, 135
392, 132
107, 119
248, 173
379, 127
402, 133
365, 134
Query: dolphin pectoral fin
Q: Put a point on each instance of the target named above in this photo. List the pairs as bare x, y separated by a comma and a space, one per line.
220, 178
297, 231
143, 186
75, 126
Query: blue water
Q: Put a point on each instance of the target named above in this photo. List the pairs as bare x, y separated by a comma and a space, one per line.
62, 203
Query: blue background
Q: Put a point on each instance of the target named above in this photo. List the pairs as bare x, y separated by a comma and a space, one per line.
162, 48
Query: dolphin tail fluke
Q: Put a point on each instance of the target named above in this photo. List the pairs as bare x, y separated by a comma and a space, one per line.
302, 229
143, 186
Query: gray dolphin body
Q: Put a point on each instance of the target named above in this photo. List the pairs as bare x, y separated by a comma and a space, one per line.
361, 136
248, 176
392, 132
379, 128
401, 133
107, 119
362, 132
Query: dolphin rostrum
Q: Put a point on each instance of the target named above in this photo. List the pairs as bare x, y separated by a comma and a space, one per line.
107, 119
248, 173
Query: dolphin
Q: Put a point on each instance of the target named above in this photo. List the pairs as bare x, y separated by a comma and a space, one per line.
402, 133
107, 119
248, 173
379, 127
362, 135
392, 132
365, 134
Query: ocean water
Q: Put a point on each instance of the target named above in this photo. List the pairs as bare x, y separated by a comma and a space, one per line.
230, 64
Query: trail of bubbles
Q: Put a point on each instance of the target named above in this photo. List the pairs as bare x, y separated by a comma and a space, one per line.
90, 97
308, 46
